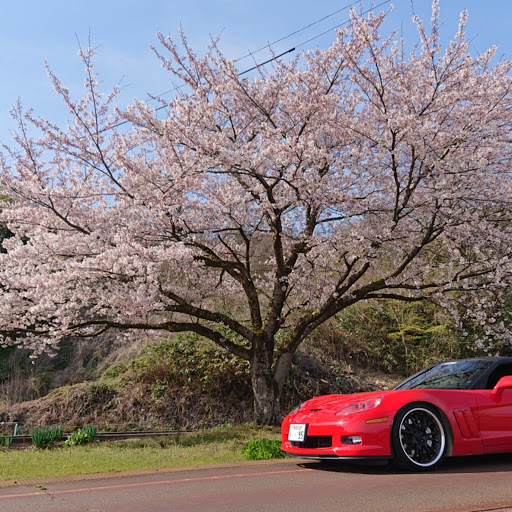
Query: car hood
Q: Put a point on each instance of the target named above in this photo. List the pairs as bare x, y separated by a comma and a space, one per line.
333, 403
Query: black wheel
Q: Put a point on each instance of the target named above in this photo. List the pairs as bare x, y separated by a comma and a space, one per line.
419, 438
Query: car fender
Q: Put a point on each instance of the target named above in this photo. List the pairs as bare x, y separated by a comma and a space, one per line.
457, 409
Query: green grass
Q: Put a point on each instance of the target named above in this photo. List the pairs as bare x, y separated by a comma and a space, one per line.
219, 445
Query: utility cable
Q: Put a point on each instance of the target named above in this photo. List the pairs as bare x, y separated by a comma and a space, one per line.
269, 45
257, 66
342, 24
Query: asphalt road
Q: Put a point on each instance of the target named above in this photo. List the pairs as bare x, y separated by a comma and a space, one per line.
464, 484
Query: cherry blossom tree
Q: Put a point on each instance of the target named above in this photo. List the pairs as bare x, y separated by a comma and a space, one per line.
258, 208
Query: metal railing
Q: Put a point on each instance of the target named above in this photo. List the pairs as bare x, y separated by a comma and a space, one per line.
14, 424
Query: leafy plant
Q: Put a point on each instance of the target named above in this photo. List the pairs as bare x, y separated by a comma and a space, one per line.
46, 436
90, 430
5, 441
189, 362
158, 389
82, 435
262, 449
391, 336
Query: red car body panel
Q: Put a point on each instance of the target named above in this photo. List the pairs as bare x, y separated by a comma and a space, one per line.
479, 420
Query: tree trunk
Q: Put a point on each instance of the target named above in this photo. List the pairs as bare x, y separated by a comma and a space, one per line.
267, 385
267, 410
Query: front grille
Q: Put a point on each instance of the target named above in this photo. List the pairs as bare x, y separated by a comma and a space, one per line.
314, 442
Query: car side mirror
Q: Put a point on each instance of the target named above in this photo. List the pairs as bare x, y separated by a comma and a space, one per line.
502, 384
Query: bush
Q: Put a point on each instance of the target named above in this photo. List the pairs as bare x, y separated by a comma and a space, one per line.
187, 362
43, 437
391, 336
81, 436
262, 449
90, 430
5, 441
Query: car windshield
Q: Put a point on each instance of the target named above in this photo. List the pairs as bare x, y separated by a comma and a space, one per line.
452, 375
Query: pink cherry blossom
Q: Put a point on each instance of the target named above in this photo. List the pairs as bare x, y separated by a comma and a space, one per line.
258, 208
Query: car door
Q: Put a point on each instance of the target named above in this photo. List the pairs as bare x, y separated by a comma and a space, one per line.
495, 410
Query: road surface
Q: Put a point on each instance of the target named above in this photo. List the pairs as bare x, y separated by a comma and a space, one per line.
461, 485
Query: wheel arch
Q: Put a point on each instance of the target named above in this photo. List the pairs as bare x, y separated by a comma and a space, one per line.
444, 420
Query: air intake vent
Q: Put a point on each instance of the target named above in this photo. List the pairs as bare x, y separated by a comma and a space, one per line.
314, 442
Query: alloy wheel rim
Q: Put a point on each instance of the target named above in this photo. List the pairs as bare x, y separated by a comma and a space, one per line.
422, 437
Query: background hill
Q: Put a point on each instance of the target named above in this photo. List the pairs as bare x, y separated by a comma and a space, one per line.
186, 382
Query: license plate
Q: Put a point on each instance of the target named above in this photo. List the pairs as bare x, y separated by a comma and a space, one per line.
297, 432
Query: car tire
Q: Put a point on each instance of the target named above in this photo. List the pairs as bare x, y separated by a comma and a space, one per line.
419, 438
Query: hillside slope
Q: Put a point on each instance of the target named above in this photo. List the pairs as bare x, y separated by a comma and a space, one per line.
184, 383
149, 382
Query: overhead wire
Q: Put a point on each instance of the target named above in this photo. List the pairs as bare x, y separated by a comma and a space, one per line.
268, 46
250, 54
289, 50
341, 24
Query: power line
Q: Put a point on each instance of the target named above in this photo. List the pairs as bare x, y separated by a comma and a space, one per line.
257, 66
182, 85
282, 39
269, 45
342, 24
266, 62
250, 54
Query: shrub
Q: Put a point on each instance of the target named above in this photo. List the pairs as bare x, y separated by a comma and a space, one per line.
90, 430
262, 449
5, 441
158, 389
391, 336
46, 436
187, 362
81, 436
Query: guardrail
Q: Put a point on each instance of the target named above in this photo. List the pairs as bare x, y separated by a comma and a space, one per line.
14, 424
26, 440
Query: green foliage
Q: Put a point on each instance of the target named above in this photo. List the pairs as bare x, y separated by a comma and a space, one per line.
90, 430
44, 437
158, 389
262, 449
5, 441
393, 336
188, 362
82, 435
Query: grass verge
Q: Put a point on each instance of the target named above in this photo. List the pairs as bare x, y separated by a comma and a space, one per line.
218, 445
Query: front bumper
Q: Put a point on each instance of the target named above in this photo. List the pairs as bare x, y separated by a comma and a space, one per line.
327, 438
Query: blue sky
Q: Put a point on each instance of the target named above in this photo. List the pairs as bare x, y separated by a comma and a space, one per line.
122, 30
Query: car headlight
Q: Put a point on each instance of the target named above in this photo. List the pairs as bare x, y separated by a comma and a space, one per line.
363, 405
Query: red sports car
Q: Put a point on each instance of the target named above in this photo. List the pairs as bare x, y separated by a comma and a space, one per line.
454, 408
